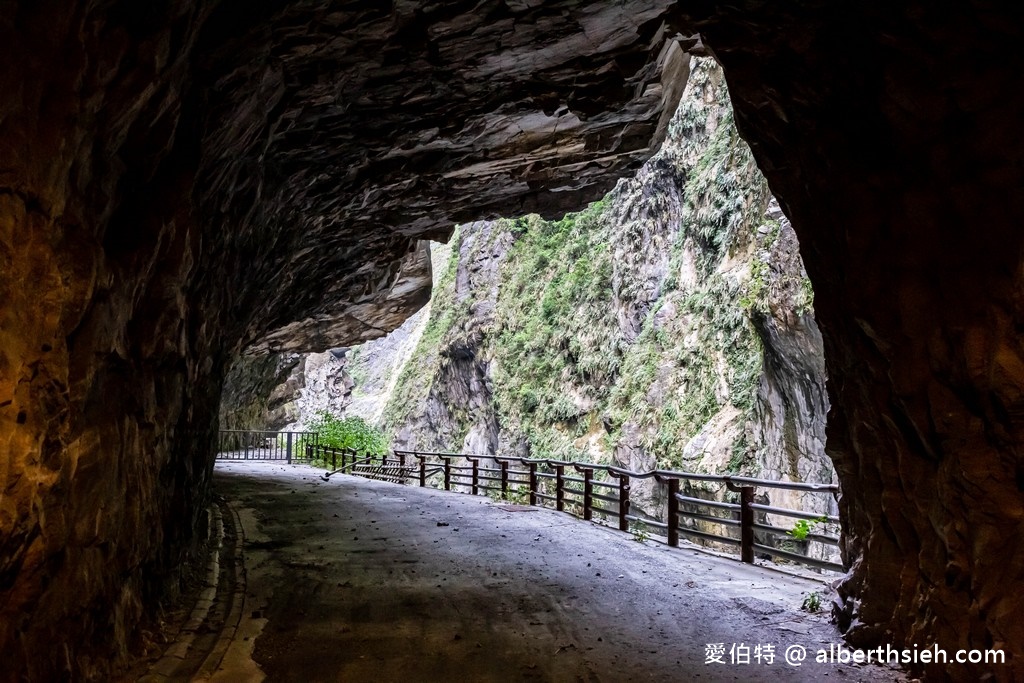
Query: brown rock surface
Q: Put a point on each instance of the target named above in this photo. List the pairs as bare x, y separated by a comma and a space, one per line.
181, 180
891, 135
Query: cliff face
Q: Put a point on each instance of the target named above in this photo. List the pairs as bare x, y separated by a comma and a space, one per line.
899, 180
669, 325
281, 391
259, 392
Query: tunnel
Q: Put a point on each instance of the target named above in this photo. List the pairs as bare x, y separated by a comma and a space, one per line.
186, 181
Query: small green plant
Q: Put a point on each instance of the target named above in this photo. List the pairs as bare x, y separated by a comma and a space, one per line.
804, 527
738, 454
639, 531
348, 432
517, 496
812, 602
806, 299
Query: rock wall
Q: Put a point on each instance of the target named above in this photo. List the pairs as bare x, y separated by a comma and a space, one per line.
182, 180
259, 392
888, 134
790, 414
668, 326
185, 180
282, 391
443, 393
286, 390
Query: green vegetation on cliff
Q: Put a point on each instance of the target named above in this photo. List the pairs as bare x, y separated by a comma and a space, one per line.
555, 329
623, 331
416, 377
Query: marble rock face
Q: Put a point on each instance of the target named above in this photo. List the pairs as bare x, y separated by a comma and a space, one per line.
892, 138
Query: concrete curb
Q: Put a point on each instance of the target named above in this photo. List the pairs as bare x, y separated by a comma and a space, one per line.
174, 665
213, 661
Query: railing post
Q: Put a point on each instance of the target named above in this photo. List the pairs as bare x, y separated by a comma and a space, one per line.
447, 474
673, 512
401, 468
560, 487
623, 502
476, 473
504, 479
288, 456
423, 469
533, 483
588, 493
334, 459
747, 524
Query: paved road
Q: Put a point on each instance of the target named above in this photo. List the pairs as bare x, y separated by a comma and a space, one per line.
355, 580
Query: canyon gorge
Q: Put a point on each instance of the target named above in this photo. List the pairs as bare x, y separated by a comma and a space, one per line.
187, 182
669, 325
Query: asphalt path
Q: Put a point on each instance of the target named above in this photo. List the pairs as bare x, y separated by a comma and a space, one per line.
355, 580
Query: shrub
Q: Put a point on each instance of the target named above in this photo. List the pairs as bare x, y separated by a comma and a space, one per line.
348, 432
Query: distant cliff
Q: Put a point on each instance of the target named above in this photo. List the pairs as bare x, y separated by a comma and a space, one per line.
284, 390
670, 325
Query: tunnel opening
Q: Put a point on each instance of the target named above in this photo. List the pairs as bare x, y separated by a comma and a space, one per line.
669, 326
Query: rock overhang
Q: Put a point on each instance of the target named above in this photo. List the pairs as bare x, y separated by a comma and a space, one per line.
189, 180
346, 140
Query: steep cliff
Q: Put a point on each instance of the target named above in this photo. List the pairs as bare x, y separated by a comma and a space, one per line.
669, 325
280, 391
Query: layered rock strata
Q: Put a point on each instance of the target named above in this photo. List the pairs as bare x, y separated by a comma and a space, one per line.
891, 136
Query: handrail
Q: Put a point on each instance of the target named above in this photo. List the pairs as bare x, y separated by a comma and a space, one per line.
261, 444
567, 493
658, 474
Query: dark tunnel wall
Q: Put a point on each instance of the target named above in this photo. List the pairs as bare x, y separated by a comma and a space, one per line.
892, 137
181, 181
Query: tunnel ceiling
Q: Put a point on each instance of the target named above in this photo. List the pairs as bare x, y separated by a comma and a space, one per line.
182, 181
339, 133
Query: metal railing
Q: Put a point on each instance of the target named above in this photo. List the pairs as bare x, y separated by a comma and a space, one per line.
244, 444
601, 493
